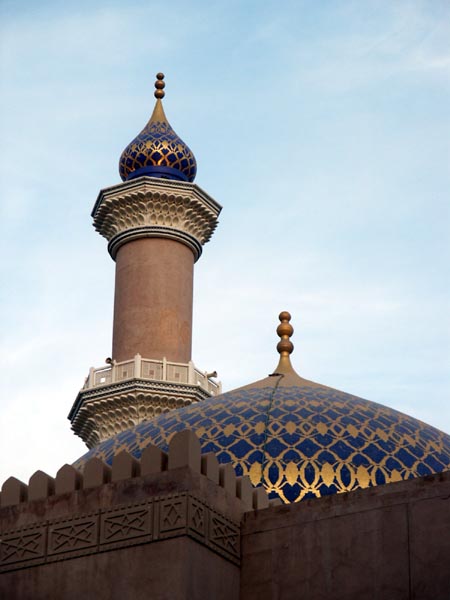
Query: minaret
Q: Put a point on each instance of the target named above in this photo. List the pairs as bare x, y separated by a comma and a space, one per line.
156, 223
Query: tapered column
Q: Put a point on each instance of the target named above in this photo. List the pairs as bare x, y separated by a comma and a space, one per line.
153, 300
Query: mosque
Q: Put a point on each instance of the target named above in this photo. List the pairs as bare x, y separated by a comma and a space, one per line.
284, 488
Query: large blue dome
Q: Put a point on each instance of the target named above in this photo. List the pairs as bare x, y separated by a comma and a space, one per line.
297, 438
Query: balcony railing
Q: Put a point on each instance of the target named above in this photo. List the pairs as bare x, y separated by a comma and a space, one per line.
152, 370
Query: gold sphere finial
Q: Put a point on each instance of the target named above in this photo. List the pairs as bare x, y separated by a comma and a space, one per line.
285, 330
159, 85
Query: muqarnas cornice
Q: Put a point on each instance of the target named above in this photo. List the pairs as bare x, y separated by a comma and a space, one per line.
103, 413
150, 207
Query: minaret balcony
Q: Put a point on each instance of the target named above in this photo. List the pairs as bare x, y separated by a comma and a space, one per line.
122, 394
152, 370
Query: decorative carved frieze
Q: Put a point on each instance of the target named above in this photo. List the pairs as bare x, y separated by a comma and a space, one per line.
72, 537
197, 516
23, 547
150, 207
126, 526
222, 535
172, 516
158, 518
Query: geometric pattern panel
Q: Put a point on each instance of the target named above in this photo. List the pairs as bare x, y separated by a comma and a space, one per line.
172, 516
222, 535
298, 442
108, 529
122, 525
71, 535
25, 546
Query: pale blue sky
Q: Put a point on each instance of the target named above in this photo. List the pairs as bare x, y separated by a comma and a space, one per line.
323, 130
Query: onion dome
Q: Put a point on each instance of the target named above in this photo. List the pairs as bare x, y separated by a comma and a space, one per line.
297, 438
158, 151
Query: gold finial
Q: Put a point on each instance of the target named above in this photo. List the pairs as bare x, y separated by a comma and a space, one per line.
285, 330
159, 85
285, 347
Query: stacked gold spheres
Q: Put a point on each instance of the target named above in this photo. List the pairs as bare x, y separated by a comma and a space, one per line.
159, 85
285, 330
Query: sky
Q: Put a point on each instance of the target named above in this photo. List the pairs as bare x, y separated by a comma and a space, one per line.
323, 130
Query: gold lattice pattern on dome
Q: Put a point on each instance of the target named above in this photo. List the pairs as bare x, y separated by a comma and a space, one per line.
304, 442
158, 145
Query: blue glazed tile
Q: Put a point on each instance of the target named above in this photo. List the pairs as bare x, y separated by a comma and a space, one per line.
341, 449
257, 438
324, 440
388, 446
292, 455
375, 453
274, 447
291, 491
356, 442
290, 439
360, 461
423, 470
327, 490
310, 474
305, 413
392, 464
346, 475
224, 457
326, 457
443, 457
240, 448
308, 448
433, 463
417, 451
257, 456
273, 473
239, 470
380, 477
211, 447
227, 440
405, 457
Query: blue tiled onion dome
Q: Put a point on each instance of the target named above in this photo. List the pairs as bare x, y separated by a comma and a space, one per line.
297, 438
157, 151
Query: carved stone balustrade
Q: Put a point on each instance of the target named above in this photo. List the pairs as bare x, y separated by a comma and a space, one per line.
121, 395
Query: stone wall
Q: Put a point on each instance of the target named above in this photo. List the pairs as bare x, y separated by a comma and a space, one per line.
180, 526
167, 526
390, 542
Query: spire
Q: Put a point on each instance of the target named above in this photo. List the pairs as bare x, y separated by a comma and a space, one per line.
158, 151
285, 347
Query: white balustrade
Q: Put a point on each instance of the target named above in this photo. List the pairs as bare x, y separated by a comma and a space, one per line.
153, 370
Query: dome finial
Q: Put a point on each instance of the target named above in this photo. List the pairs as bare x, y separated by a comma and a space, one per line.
285, 347
157, 151
159, 85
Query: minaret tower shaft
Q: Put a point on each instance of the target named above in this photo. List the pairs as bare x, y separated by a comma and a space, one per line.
153, 300
156, 223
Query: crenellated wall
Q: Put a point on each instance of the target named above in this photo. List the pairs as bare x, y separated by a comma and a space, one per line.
180, 526
176, 513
